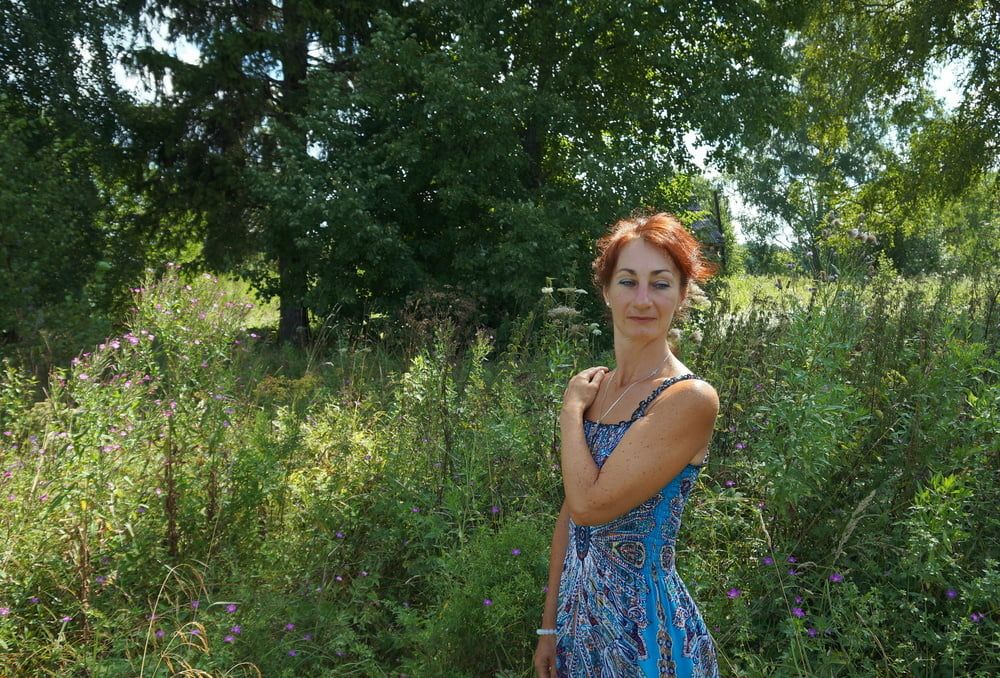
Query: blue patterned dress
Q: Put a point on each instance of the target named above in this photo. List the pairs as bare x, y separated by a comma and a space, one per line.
623, 610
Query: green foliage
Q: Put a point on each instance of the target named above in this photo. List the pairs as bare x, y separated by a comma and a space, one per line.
355, 516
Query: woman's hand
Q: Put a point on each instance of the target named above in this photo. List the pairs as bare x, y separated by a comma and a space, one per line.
545, 657
582, 389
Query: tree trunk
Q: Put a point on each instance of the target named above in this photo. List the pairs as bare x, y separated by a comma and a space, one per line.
293, 325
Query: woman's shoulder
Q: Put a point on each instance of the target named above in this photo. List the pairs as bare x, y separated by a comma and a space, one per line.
691, 390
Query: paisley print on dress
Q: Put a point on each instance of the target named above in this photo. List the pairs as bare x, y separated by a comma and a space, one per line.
623, 610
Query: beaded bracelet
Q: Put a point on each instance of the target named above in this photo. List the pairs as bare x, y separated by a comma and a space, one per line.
546, 632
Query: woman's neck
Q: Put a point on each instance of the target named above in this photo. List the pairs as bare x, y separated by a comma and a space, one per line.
633, 362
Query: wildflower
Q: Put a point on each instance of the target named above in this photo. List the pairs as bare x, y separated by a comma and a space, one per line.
515, 552
339, 578
33, 599
792, 571
546, 290
563, 312
977, 617
811, 631
364, 573
293, 653
4, 611
228, 639
231, 608
487, 602
100, 579
768, 560
236, 630
44, 497
730, 483
11, 497
307, 637
951, 594
793, 559
798, 599
66, 619
289, 626
83, 377
494, 510
195, 632
414, 510
159, 633
741, 446
733, 593
339, 535
195, 604
798, 612
836, 577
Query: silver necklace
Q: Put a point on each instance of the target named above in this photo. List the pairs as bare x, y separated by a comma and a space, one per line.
617, 400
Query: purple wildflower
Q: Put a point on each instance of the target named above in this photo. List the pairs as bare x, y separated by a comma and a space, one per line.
798, 612
415, 510
811, 631
730, 483
768, 560
494, 509
4, 611
66, 619
293, 653
228, 639
159, 633
733, 593
793, 559
289, 626
977, 617
487, 602
195, 604
236, 630
951, 594
741, 446
836, 577
515, 552
231, 608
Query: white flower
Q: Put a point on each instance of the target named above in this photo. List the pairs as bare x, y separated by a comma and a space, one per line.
563, 312
579, 291
696, 336
546, 290
596, 332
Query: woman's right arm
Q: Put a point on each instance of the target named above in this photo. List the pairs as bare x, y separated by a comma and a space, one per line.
545, 653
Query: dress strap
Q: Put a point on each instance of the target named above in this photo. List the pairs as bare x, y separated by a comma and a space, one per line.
641, 410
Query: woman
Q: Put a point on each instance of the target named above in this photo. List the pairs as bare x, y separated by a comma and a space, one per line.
615, 605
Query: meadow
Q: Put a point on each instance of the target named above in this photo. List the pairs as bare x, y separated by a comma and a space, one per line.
186, 498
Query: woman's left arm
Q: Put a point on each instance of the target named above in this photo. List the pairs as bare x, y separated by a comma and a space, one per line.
655, 449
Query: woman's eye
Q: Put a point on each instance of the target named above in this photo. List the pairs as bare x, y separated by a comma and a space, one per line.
663, 285
626, 282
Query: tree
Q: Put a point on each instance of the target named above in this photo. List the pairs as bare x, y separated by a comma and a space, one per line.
368, 150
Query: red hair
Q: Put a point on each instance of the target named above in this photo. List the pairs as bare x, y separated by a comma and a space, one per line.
664, 232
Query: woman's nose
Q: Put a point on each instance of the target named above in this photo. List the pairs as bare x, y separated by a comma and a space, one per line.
642, 294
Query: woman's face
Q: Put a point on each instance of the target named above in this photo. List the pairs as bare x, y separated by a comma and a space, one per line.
644, 291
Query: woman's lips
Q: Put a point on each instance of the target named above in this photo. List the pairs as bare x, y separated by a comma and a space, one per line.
641, 319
